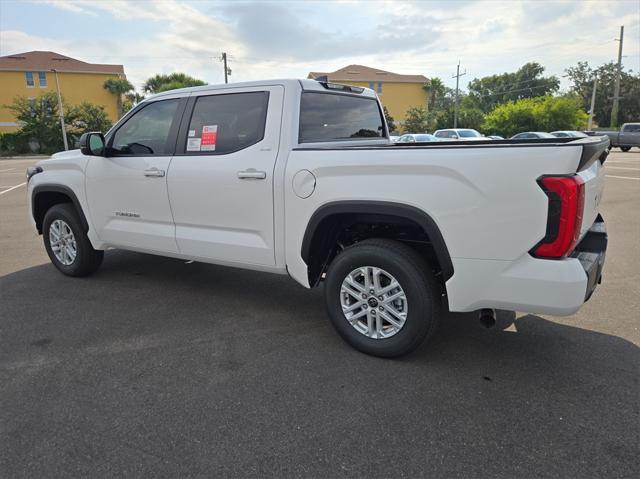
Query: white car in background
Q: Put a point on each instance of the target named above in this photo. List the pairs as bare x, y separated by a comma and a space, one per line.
416, 138
532, 135
464, 134
569, 134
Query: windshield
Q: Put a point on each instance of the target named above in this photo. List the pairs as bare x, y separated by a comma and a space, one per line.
468, 133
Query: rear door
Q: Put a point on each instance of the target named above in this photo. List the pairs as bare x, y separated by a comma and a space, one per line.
127, 190
221, 179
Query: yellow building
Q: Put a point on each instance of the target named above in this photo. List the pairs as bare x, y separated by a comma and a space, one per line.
397, 92
33, 73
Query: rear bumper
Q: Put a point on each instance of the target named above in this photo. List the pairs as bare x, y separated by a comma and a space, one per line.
591, 252
528, 284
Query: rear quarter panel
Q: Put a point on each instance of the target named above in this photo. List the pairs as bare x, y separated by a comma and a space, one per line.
485, 200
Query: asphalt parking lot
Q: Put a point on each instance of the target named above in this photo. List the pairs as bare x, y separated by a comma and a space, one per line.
154, 367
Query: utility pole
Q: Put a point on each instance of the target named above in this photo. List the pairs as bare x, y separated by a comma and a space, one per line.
455, 105
593, 102
616, 90
227, 70
61, 110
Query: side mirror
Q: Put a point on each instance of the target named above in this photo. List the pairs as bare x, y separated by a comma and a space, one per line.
92, 144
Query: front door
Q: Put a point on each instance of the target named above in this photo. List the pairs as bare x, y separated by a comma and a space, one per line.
127, 190
221, 178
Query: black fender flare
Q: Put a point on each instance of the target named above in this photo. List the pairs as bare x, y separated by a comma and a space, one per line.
54, 188
408, 212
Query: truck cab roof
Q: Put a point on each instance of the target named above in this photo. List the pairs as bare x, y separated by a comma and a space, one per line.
289, 83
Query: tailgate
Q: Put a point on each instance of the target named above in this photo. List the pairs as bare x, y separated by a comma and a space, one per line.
591, 170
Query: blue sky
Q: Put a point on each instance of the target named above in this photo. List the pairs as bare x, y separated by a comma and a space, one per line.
269, 39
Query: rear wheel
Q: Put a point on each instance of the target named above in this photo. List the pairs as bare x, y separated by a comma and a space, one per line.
67, 244
382, 297
625, 148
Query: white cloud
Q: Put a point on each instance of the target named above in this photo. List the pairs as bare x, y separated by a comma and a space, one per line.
276, 39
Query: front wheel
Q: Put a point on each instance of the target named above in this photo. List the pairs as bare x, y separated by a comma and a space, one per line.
625, 148
67, 244
382, 297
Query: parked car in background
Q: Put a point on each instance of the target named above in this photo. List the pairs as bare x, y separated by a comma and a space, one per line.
569, 134
532, 135
627, 137
495, 137
459, 134
416, 138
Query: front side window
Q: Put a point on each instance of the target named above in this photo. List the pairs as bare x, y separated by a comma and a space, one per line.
632, 129
332, 117
29, 78
147, 131
227, 122
42, 79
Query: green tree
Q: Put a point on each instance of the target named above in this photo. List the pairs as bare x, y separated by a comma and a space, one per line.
40, 120
469, 115
87, 117
436, 90
536, 114
416, 120
390, 120
526, 82
159, 83
118, 87
582, 76
131, 99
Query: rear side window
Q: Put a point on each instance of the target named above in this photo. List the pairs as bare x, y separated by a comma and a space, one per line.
331, 117
226, 123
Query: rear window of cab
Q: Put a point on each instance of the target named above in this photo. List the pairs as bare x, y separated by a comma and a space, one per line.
336, 117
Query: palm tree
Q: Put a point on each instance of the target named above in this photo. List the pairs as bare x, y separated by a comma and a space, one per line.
436, 89
119, 87
159, 83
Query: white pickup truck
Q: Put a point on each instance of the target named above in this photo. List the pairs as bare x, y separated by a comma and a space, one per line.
298, 177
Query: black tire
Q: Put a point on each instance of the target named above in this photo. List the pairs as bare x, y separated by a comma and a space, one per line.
625, 148
87, 259
414, 276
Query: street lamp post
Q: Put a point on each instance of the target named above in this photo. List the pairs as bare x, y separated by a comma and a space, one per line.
60, 109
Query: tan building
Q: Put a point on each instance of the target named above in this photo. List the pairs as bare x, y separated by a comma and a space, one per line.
397, 92
31, 74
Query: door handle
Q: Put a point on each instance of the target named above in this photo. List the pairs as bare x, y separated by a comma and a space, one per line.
252, 173
154, 172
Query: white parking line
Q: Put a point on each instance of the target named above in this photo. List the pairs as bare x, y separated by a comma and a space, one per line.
608, 176
622, 168
12, 188
10, 169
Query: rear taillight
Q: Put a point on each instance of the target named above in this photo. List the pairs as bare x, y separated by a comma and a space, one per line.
566, 207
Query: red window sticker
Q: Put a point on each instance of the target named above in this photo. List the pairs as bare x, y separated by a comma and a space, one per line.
209, 136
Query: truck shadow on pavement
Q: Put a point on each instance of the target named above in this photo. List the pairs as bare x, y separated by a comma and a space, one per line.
153, 365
